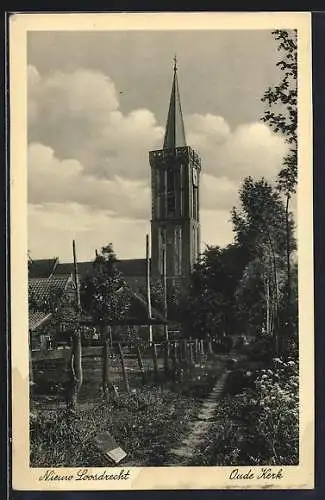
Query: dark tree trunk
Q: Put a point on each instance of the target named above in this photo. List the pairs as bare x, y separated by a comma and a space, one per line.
287, 331
276, 299
75, 369
107, 383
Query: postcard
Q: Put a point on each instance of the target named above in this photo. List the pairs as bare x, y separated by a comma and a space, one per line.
161, 218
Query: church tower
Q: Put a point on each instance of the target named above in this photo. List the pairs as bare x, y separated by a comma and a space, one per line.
175, 188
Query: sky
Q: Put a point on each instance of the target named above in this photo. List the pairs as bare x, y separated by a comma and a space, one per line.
98, 103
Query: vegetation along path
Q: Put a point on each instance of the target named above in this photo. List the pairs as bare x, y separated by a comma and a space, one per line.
201, 425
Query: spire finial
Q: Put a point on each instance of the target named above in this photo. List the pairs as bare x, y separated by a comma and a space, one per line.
175, 62
174, 133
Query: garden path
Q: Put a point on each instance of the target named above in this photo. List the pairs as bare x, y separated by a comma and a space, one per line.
200, 426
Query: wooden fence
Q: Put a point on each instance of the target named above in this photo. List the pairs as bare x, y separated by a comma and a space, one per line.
130, 365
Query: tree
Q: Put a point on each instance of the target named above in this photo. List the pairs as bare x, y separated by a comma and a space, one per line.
260, 227
106, 298
211, 297
281, 116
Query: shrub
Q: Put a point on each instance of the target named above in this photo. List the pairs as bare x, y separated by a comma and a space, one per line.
258, 421
261, 349
270, 415
278, 417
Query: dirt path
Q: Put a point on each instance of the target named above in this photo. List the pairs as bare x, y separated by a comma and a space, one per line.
200, 426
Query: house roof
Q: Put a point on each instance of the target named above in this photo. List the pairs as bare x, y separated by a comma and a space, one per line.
41, 288
37, 319
134, 273
42, 268
128, 267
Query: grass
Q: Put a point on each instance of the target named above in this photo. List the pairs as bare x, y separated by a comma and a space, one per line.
146, 424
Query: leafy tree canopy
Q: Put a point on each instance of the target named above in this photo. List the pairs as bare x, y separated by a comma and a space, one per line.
211, 299
261, 218
105, 295
281, 111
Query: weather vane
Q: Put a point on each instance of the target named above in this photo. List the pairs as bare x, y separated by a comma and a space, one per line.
175, 62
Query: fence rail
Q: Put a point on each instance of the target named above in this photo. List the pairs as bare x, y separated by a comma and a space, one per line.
131, 364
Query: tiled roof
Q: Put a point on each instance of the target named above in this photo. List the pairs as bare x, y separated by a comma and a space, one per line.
37, 319
84, 268
133, 270
128, 267
41, 288
132, 267
42, 268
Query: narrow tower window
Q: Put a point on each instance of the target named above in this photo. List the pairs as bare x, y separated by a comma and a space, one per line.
178, 250
195, 203
157, 195
171, 200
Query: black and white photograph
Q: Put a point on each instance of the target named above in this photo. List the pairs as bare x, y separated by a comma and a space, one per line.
167, 253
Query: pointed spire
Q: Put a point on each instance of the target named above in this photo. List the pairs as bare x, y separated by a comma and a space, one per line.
175, 132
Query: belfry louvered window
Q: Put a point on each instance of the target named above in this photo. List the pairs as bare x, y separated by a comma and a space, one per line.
171, 200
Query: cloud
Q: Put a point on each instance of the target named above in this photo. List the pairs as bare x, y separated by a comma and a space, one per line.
217, 192
52, 227
77, 115
250, 149
216, 227
88, 167
53, 181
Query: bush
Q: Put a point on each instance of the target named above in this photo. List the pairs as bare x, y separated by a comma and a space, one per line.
278, 416
239, 381
261, 349
258, 421
223, 345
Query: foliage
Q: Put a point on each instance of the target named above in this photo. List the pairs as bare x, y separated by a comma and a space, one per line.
259, 223
260, 349
281, 101
260, 227
258, 425
146, 424
210, 301
281, 115
156, 292
250, 298
278, 419
105, 295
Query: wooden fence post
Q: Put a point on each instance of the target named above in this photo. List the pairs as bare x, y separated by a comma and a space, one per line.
125, 376
176, 352
185, 351
76, 350
191, 353
166, 356
174, 359
75, 368
196, 350
202, 347
140, 363
180, 354
107, 383
209, 344
155, 361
